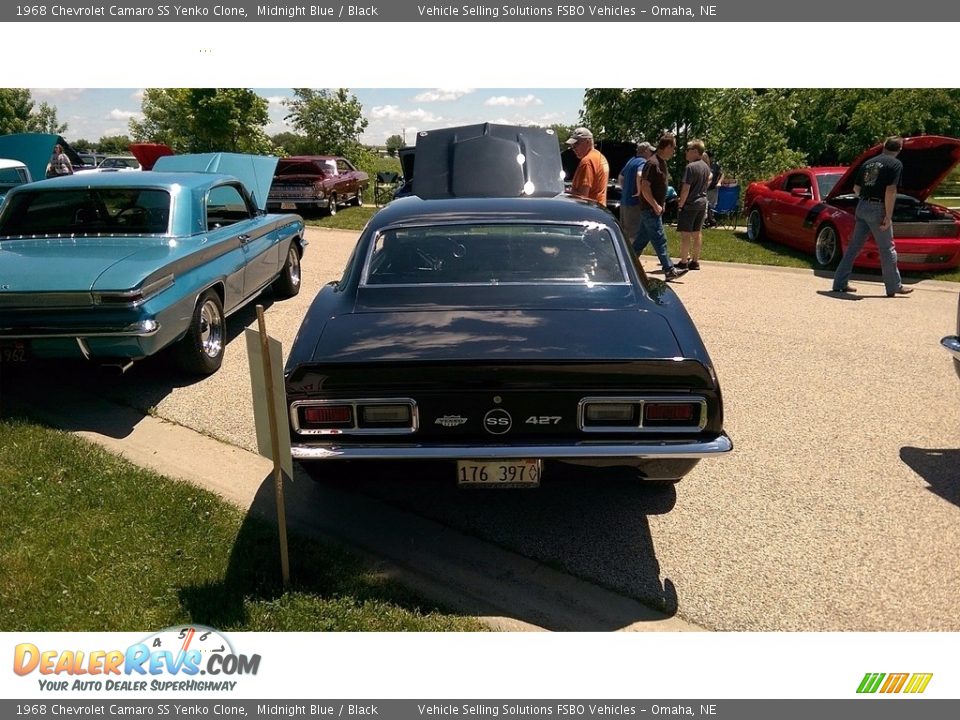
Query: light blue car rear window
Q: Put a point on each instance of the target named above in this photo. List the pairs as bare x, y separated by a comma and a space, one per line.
86, 211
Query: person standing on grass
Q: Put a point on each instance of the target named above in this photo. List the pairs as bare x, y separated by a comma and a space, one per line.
653, 193
876, 186
692, 205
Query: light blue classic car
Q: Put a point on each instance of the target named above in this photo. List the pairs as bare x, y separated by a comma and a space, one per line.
113, 267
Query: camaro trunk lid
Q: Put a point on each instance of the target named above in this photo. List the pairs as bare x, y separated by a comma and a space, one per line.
926, 162
496, 334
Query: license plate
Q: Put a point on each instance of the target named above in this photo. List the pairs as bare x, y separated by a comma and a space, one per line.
288, 206
499, 473
13, 351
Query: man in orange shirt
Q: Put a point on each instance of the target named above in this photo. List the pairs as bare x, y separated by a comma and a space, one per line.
593, 172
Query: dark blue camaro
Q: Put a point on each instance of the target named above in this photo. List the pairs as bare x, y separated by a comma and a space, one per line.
494, 333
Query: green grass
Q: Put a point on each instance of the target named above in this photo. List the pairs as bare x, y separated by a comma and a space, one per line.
733, 246
349, 218
88, 542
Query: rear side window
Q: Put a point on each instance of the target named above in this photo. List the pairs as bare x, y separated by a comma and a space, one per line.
494, 254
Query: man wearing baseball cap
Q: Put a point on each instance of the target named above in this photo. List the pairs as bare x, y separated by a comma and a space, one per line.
593, 172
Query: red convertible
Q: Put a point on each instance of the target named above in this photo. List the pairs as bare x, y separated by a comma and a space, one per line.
305, 182
812, 209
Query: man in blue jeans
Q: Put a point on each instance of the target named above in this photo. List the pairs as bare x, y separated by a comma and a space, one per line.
876, 185
653, 196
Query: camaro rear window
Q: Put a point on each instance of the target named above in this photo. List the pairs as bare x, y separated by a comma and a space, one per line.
85, 211
493, 254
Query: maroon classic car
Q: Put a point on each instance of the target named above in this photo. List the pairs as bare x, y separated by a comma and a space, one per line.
305, 182
812, 209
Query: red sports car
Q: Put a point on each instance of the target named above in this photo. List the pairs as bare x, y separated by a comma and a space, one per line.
813, 209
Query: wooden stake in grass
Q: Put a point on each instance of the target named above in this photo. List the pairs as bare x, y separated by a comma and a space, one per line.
275, 448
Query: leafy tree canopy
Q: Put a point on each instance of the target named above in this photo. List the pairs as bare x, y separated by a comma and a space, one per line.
331, 119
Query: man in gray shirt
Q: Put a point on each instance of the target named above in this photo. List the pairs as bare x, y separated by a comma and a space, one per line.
693, 206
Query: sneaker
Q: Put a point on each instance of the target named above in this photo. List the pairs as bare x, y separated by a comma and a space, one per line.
901, 291
675, 272
846, 289
694, 265
682, 265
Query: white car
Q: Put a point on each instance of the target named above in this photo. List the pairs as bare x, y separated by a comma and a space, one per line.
12, 173
115, 163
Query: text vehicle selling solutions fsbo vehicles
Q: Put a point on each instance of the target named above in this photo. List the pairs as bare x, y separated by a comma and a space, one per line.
492, 323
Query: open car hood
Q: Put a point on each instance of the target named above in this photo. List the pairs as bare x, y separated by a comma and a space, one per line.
254, 171
926, 161
34, 151
487, 160
147, 154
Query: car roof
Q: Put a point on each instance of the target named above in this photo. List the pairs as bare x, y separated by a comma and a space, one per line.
411, 211
7, 163
307, 158
188, 180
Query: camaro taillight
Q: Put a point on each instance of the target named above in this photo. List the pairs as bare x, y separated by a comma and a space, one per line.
670, 414
611, 414
383, 416
642, 414
327, 416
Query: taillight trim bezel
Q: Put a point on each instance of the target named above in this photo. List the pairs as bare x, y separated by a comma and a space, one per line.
355, 404
641, 401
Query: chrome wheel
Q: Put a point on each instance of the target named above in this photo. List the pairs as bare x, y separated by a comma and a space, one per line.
211, 329
755, 226
333, 205
293, 266
827, 247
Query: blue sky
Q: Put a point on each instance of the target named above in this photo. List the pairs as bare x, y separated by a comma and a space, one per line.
92, 113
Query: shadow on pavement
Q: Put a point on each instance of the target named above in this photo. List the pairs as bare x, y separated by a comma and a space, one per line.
940, 468
27, 389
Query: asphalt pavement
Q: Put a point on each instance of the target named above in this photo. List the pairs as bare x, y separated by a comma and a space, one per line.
839, 508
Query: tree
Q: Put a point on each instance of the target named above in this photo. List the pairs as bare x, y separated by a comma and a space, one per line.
17, 114
114, 144
204, 120
331, 120
288, 143
394, 143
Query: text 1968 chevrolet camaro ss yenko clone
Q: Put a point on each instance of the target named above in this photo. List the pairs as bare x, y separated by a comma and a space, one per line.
490, 323
813, 209
113, 267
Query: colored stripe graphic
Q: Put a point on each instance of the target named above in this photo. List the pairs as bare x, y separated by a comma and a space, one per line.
870, 682
918, 683
894, 683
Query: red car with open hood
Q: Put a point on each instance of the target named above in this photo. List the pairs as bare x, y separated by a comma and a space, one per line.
812, 209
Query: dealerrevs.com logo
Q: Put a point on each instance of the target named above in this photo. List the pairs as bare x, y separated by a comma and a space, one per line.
172, 659
909, 683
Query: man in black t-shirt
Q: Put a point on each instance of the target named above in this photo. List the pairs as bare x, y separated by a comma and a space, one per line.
653, 196
876, 185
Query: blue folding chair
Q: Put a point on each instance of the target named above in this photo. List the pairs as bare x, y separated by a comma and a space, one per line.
726, 213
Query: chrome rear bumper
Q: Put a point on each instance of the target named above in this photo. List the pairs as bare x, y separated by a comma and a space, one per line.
645, 450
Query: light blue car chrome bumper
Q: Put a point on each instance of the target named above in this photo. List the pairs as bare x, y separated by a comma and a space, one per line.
647, 450
952, 344
143, 328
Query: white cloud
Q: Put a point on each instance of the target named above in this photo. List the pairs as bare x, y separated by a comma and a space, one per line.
138, 95
57, 94
276, 100
118, 114
505, 101
442, 95
396, 114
